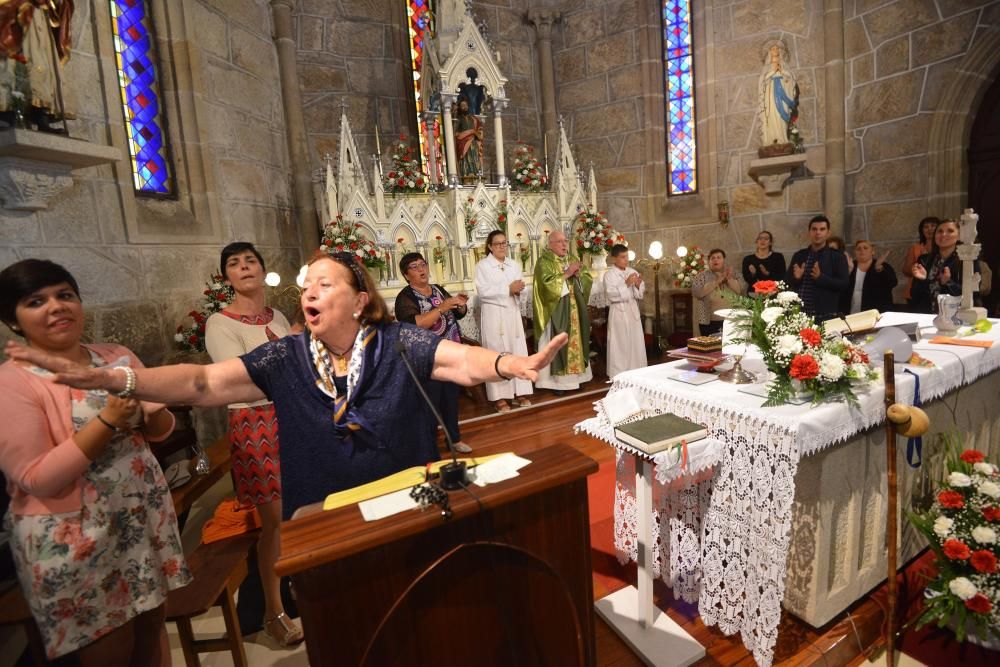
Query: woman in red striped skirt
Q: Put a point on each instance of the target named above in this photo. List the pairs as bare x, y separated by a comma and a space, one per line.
253, 428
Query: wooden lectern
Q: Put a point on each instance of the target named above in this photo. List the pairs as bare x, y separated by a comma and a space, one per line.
506, 580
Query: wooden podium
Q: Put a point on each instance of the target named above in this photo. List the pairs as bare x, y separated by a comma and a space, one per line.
506, 580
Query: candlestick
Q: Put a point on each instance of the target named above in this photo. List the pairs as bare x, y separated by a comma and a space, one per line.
378, 144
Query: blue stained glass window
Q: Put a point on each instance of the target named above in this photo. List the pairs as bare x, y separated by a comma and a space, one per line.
682, 154
140, 96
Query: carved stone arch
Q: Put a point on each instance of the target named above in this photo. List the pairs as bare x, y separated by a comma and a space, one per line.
435, 216
951, 127
399, 220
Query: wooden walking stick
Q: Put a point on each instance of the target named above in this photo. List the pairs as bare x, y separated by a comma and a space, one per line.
889, 370
908, 421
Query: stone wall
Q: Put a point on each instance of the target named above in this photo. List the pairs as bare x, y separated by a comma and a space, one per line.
903, 58
141, 263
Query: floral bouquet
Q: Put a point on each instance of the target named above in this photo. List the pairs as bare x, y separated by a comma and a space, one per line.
691, 264
962, 528
528, 174
218, 295
437, 254
502, 216
594, 235
524, 251
469, 216
405, 174
340, 236
794, 348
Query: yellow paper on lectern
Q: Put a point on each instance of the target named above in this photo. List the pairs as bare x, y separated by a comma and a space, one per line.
400, 480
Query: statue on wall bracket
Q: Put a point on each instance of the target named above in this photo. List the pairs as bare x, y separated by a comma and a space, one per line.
34, 44
778, 103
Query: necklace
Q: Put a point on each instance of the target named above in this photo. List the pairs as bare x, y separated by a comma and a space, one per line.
340, 363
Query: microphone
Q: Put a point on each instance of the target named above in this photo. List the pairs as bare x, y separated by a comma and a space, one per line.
454, 474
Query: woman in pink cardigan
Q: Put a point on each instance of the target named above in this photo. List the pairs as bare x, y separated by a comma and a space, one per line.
92, 525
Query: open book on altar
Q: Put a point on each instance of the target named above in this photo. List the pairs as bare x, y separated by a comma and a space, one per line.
853, 323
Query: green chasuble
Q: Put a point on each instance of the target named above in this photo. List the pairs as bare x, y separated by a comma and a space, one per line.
566, 313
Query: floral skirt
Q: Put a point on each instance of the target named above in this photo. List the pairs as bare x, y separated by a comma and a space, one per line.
88, 572
253, 444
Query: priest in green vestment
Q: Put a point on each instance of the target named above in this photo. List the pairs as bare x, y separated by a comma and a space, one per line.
560, 292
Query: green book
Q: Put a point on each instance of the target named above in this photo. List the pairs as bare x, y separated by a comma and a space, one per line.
654, 434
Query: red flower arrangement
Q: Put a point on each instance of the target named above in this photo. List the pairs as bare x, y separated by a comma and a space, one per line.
984, 561
804, 367
765, 287
810, 337
956, 550
959, 527
218, 295
951, 499
972, 456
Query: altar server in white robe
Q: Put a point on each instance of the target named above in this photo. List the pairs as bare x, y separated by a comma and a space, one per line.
499, 284
624, 288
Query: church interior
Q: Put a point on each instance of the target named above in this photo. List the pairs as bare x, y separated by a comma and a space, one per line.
140, 137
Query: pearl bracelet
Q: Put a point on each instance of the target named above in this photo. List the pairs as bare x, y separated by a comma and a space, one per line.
129, 381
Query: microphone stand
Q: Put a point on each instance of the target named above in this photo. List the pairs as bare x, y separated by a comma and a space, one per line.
453, 475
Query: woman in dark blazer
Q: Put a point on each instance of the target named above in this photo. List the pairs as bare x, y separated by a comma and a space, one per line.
870, 283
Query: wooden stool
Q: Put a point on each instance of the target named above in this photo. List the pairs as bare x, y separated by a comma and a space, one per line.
218, 569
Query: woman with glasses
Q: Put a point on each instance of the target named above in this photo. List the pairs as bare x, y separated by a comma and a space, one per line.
348, 410
499, 284
763, 263
243, 325
431, 307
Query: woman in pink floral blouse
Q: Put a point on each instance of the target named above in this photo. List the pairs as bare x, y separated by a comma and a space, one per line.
92, 525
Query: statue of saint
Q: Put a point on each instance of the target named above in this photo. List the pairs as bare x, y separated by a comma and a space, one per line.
468, 143
779, 102
34, 42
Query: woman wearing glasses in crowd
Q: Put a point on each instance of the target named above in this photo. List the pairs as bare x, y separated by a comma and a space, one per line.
431, 307
348, 410
763, 263
499, 284
243, 325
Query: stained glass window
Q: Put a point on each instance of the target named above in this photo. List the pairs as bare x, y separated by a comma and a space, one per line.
682, 155
420, 24
140, 96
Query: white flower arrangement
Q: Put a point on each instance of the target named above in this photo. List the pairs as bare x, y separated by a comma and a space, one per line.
340, 236
594, 234
528, 174
218, 296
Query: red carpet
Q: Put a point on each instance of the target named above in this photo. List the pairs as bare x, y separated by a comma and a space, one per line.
609, 575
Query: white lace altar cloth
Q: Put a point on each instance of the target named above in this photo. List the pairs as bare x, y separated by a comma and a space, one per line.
723, 537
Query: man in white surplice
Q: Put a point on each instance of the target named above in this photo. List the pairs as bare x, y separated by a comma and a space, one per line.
499, 284
624, 288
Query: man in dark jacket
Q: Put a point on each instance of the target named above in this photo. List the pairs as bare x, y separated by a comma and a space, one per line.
818, 273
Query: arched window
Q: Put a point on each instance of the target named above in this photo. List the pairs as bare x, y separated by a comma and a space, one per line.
140, 95
420, 28
682, 153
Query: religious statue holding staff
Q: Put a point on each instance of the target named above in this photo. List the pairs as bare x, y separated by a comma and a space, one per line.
34, 43
468, 143
779, 103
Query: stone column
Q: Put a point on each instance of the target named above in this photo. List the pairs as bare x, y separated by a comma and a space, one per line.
295, 126
499, 106
836, 126
542, 20
447, 99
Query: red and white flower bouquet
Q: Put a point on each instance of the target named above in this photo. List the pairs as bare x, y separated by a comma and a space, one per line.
963, 527
340, 236
800, 358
